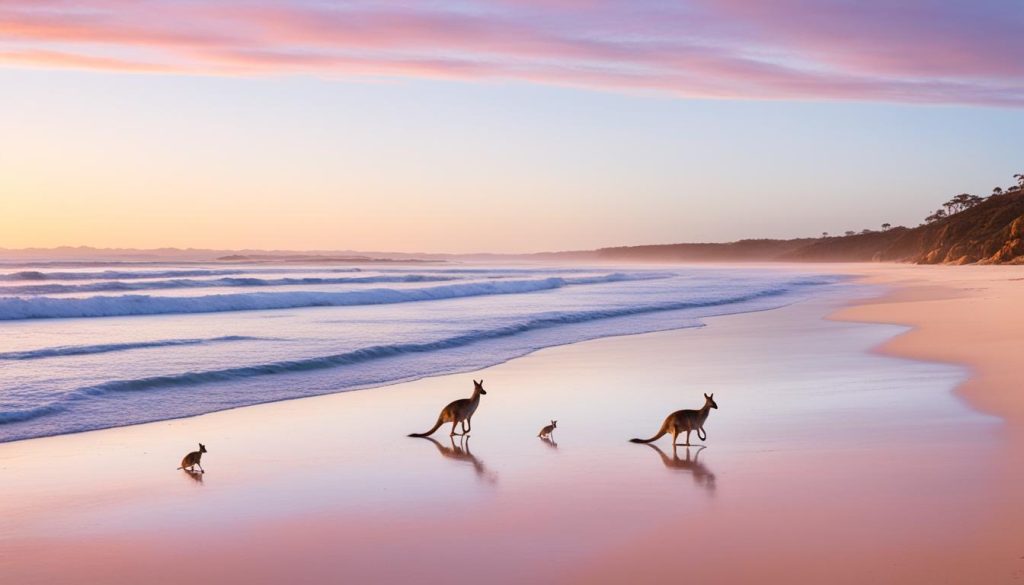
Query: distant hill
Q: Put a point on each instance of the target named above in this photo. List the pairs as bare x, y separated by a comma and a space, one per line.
991, 232
743, 250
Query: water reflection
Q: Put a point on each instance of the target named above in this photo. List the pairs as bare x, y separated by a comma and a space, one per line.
196, 476
702, 476
549, 442
460, 452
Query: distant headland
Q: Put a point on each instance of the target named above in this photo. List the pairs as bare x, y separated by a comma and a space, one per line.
967, 229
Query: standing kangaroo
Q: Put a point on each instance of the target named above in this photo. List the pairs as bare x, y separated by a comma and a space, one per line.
684, 420
192, 459
546, 431
460, 411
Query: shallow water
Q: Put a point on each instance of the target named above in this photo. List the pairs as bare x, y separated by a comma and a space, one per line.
825, 463
95, 347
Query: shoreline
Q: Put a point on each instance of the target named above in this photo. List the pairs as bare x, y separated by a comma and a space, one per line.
261, 382
967, 315
331, 485
947, 308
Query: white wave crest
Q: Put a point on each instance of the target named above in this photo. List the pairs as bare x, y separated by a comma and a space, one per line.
14, 308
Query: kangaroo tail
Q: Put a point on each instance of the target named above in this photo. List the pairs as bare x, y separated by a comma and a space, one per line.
661, 433
437, 425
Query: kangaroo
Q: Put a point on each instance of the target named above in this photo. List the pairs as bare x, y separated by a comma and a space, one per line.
460, 411
684, 420
192, 459
546, 431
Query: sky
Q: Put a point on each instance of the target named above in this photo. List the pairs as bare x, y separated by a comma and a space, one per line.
444, 126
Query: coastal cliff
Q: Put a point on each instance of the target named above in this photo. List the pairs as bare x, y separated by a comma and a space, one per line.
989, 232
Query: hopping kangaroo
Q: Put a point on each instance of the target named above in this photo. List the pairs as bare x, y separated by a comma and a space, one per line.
684, 420
546, 431
460, 411
192, 459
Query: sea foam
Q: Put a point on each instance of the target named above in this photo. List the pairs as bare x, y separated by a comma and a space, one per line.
13, 308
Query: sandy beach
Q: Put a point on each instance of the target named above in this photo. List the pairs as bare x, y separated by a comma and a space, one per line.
258, 260
878, 442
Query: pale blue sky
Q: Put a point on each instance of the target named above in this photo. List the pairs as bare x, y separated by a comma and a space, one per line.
119, 159
497, 125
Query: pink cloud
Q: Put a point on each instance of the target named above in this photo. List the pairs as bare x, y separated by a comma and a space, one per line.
42, 58
913, 51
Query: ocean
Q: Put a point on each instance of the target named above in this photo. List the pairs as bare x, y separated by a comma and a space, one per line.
85, 347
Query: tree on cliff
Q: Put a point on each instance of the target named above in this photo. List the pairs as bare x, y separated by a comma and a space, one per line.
961, 202
1019, 185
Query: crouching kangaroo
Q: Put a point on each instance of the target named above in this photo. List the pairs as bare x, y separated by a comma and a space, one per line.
684, 420
192, 459
545, 433
460, 411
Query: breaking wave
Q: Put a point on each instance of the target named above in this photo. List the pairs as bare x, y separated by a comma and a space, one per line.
368, 353
118, 285
13, 308
69, 350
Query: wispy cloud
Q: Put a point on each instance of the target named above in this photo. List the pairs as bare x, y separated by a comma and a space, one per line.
916, 51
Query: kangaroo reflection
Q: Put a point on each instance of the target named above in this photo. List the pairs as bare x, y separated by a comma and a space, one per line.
461, 452
549, 442
196, 476
702, 476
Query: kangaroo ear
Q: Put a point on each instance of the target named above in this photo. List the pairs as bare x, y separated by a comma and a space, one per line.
706, 395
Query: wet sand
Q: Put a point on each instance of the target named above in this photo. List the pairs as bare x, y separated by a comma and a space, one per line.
834, 458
